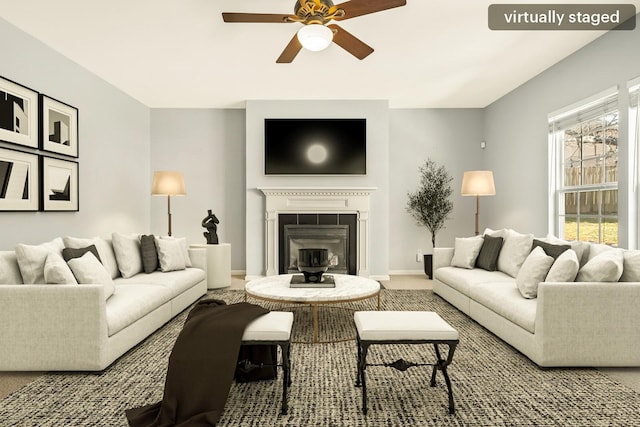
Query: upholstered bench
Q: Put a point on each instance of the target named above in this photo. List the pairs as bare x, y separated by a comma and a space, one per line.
274, 328
404, 327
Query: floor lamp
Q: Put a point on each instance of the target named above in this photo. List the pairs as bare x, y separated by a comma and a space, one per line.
168, 183
478, 183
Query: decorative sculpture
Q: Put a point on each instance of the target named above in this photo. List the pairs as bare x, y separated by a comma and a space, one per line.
210, 222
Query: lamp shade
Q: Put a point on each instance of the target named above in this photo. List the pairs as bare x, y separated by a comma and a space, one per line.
315, 37
168, 183
478, 183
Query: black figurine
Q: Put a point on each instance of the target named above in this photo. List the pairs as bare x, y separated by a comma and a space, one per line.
210, 223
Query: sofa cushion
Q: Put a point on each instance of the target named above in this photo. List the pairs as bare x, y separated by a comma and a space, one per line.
170, 255
70, 253
183, 245
605, 267
31, 259
466, 251
533, 271
131, 303
57, 272
175, 281
514, 251
550, 249
128, 254
9, 269
105, 250
631, 270
462, 279
503, 298
149, 253
89, 271
564, 268
580, 248
489, 253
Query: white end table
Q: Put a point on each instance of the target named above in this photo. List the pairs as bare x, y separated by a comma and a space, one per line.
218, 264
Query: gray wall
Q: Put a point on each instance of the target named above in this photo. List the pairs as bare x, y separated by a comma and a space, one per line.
377, 115
114, 146
450, 137
207, 145
516, 130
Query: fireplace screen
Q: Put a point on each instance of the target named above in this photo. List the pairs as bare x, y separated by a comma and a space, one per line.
335, 238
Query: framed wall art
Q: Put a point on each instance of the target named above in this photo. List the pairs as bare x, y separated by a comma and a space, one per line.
18, 181
59, 184
58, 127
18, 114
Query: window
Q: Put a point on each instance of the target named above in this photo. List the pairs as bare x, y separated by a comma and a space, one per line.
634, 152
584, 165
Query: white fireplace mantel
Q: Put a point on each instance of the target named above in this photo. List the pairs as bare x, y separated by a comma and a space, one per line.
353, 200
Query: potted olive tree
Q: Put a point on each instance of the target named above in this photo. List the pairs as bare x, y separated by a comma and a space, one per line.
430, 205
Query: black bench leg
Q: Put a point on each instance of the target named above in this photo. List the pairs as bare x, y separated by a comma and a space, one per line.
286, 377
358, 377
442, 365
362, 366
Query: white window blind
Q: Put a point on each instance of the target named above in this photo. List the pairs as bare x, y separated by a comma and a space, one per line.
598, 105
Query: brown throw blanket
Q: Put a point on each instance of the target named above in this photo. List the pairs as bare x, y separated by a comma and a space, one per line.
201, 367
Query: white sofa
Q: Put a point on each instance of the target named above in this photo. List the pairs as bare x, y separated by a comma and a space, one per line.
64, 327
568, 324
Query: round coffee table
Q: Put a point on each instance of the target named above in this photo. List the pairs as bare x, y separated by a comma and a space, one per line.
348, 288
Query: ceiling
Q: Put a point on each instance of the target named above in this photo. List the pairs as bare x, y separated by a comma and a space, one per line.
180, 54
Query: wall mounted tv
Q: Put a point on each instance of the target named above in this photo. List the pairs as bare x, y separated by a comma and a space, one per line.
315, 146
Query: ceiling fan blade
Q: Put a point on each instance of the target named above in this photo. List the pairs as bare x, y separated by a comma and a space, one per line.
289, 53
356, 8
254, 17
350, 43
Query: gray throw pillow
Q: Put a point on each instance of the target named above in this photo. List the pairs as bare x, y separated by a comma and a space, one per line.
71, 253
149, 253
488, 257
551, 250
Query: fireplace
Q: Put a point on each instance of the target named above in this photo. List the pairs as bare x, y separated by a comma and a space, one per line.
335, 232
349, 205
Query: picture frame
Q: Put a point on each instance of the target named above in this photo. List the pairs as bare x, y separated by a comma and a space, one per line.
58, 127
18, 180
58, 184
18, 114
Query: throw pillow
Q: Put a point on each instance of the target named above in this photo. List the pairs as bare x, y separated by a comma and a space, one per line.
631, 270
596, 249
149, 253
170, 255
552, 250
89, 271
564, 268
489, 252
466, 251
580, 248
184, 246
57, 272
606, 267
128, 255
9, 269
70, 253
31, 259
533, 271
515, 249
105, 250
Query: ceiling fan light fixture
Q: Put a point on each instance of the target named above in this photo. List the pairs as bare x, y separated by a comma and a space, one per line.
315, 37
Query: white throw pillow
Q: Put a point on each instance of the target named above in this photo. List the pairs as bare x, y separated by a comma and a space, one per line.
170, 254
105, 250
9, 269
57, 272
596, 249
631, 270
31, 259
606, 267
128, 255
184, 247
466, 251
495, 233
533, 271
515, 249
564, 268
89, 271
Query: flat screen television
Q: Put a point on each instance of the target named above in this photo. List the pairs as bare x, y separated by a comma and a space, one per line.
315, 146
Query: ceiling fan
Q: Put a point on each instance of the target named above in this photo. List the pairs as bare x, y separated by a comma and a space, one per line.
317, 33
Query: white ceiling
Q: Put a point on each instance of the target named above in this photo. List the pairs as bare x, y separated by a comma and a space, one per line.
179, 53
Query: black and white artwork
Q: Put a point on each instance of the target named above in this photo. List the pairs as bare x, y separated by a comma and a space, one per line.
58, 127
59, 188
18, 114
18, 181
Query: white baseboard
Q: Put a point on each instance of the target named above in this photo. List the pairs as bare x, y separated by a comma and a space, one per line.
238, 272
406, 272
379, 277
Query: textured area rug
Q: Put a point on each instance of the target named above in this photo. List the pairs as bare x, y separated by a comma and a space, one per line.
493, 384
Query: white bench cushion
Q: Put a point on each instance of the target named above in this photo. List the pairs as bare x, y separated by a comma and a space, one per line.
273, 326
402, 325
